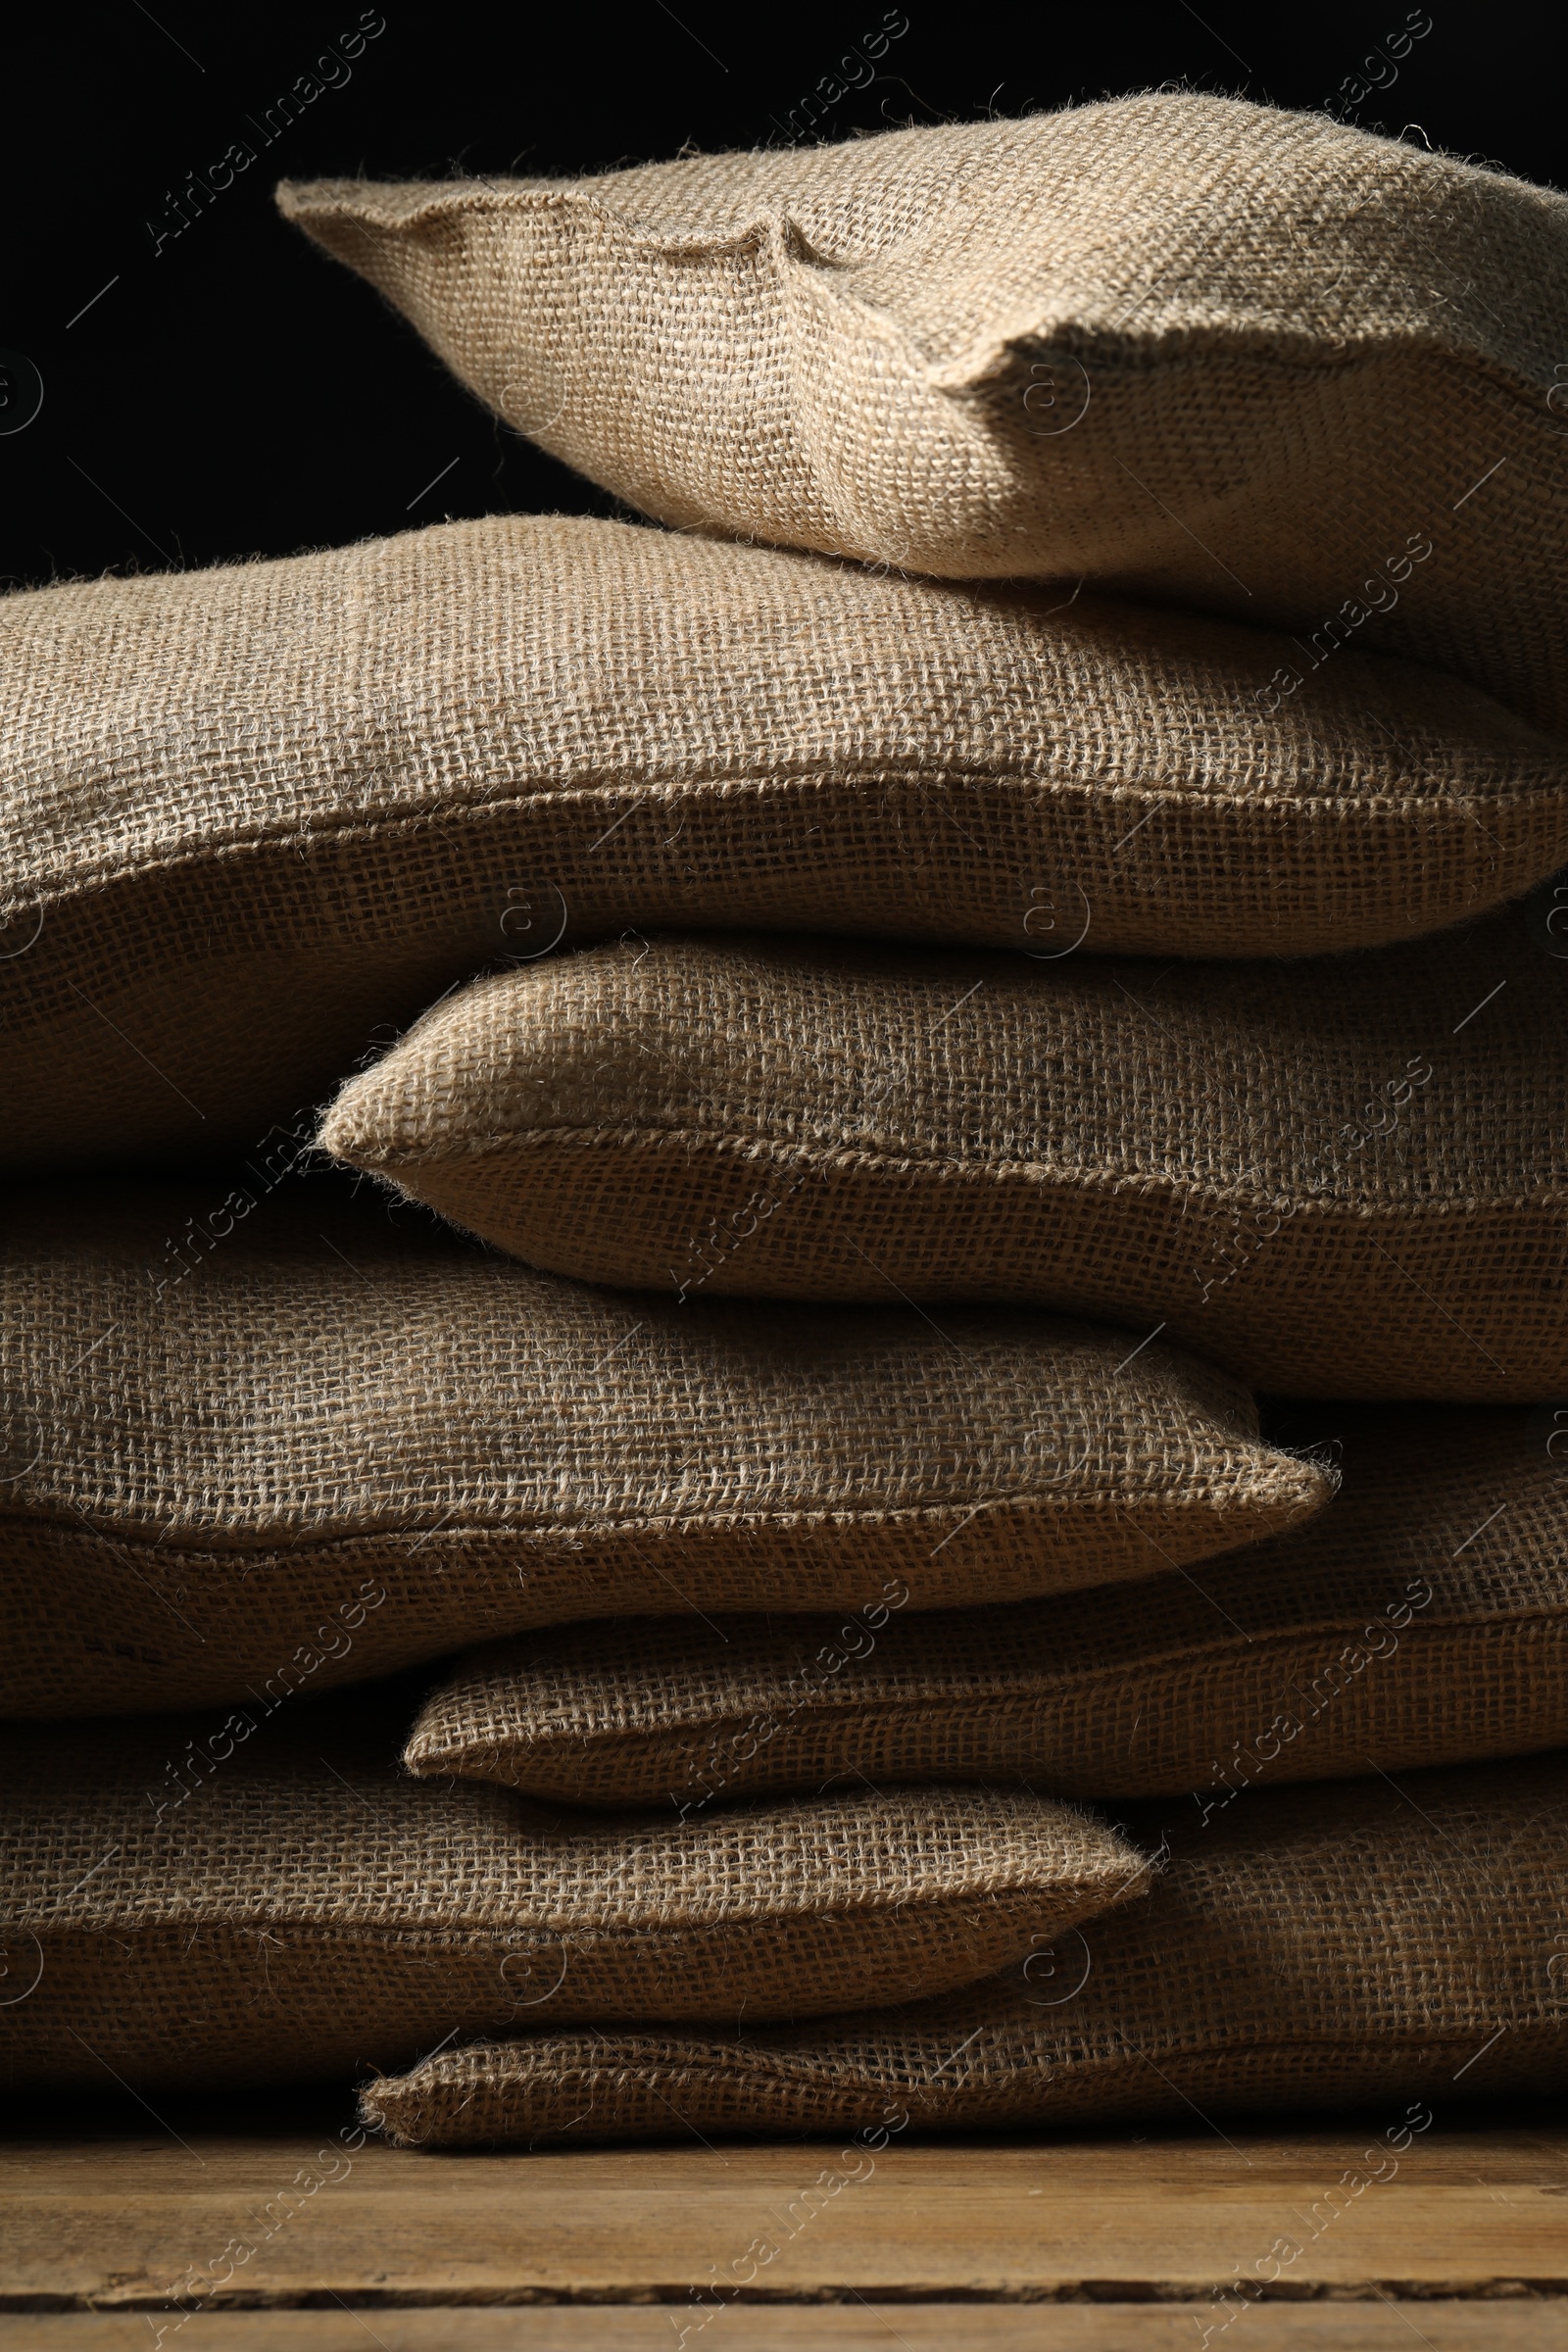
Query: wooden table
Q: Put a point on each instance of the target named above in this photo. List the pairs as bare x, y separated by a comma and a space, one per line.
1090, 2243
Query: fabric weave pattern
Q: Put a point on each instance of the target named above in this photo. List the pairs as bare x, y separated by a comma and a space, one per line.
1198, 349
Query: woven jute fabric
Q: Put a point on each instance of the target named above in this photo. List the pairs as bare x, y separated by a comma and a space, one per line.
252, 816
1202, 350
300, 1906
1421, 1619
251, 1450
1344, 1177
1322, 1945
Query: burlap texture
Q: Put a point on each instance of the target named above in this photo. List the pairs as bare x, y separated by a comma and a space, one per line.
1198, 349
339, 1441
1348, 1177
251, 816
1325, 1945
1421, 1619
305, 1906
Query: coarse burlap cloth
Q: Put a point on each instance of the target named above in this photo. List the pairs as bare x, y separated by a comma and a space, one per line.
260, 1440
1345, 1177
1421, 1619
1350, 1942
1200, 349
285, 1902
249, 817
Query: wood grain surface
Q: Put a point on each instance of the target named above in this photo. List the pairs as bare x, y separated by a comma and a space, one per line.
182, 2226
1365, 2326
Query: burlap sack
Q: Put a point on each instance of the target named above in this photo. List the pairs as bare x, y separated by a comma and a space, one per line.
254, 1450
1199, 348
1341, 1178
249, 817
1357, 1944
307, 1909
1421, 1619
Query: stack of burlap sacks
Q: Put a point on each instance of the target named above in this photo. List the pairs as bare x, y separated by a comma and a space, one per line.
1020, 925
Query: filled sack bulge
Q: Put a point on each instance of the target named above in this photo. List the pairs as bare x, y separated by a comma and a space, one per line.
289, 1903
254, 818
261, 1439
1341, 1945
1198, 350
1346, 1177
1420, 1618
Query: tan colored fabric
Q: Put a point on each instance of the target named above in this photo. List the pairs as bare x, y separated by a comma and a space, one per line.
1198, 349
1421, 1619
252, 817
249, 1453
1321, 1946
1341, 1178
305, 1908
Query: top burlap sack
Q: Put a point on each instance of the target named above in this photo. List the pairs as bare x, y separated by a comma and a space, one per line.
250, 816
1193, 348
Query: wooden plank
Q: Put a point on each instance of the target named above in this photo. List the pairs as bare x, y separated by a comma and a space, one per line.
121, 2221
1359, 2326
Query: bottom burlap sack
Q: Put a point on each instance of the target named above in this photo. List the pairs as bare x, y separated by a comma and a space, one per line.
305, 1908
1421, 1619
1351, 1942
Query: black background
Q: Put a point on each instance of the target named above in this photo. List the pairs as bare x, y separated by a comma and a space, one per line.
235, 393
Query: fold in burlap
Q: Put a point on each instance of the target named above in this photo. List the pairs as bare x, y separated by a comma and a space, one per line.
1421, 1619
1325, 1945
261, 1450
1199, 348
1348, 1177
291, 1903
252, 815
